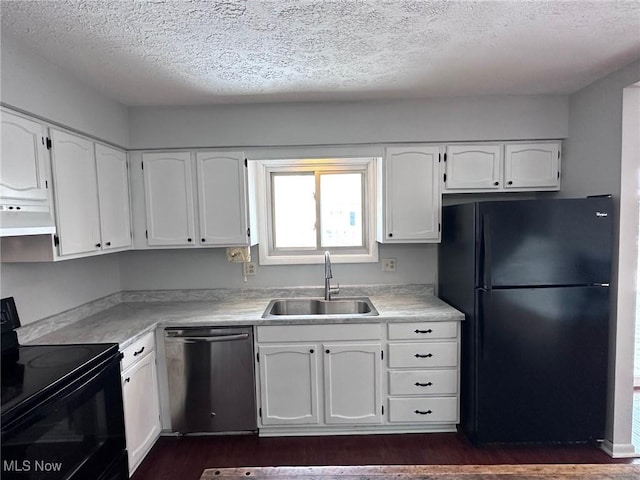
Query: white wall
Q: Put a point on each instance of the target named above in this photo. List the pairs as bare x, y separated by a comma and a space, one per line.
43, 289
592, 165
208, 268
33, 84
429, 120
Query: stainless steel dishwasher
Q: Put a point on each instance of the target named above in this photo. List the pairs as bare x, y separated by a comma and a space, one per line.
211, 380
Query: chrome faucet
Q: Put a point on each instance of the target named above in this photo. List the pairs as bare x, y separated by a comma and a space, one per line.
328, 275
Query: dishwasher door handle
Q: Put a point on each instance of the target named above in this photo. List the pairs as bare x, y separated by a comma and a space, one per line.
208, 338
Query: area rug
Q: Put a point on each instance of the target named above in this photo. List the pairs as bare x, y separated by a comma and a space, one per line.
433, 472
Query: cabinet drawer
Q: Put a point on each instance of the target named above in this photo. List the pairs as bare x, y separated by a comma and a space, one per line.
422, 330
423, 382
137, 350
425, 354
317, 333
420, 410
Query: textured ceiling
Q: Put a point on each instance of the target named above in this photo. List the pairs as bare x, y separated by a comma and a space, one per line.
204, 52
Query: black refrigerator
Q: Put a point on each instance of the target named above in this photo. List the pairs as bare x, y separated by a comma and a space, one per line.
532, 278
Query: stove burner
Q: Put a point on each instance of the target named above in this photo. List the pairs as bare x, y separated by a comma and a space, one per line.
56, 358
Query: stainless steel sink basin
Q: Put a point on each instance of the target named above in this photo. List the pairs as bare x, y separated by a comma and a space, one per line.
358, 306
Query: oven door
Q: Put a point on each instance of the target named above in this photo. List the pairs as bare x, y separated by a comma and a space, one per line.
75, 433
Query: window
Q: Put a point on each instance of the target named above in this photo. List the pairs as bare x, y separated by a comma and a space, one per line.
315, 205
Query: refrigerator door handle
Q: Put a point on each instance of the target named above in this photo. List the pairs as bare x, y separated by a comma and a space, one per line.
485, 251
480, 322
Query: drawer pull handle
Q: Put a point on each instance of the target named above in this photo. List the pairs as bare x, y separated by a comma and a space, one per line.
428, 355
428, 384
423, 331
135, 354
420, 412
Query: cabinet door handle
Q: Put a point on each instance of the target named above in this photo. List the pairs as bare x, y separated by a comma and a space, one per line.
423, 331
98, 245
311, 351
135, 354
108, 244
428, 384
428, 355
188, 240
496, 183
421, 412
127, 380
327, 351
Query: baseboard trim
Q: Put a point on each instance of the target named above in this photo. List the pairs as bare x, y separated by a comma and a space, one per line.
618, 450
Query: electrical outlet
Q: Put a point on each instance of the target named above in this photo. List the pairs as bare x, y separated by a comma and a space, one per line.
249, 269
388, 264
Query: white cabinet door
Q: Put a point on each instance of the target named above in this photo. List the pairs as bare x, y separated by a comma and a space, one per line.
141, 408
532, 166
222, 198
76, 193
23, 161
352, 383
475, 167
113, 193
168, 192
289, 384
412, 200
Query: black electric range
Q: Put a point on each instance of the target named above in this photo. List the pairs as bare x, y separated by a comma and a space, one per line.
61, 409
34, 371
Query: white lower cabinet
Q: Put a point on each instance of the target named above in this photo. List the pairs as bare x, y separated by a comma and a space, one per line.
423, 381
141, 401
310, 382
289, 381
358, 378
423, 409
352, 383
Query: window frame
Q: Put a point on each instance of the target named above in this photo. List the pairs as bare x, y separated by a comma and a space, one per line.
366, 166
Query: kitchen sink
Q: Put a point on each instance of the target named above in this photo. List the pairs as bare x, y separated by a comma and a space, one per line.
358, 306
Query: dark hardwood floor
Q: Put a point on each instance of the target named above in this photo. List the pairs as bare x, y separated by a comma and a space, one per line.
185, 458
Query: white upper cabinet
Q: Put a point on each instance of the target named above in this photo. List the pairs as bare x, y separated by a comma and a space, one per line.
509, 166
532, 166
113, 192
76, 194
475, 167
222, 198
23, 162
409, 200
168, 193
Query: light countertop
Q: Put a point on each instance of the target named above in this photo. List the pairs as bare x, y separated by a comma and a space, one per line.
124, 322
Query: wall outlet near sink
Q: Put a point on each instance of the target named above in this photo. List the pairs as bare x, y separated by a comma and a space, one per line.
249, 269
388, 264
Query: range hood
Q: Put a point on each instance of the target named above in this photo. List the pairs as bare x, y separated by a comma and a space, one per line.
18, 221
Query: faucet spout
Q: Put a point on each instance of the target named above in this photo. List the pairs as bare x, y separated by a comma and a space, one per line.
328, 275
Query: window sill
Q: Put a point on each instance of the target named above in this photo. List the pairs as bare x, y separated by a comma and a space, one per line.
371, 257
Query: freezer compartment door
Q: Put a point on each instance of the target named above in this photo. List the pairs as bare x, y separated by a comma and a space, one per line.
544, 242
542, 364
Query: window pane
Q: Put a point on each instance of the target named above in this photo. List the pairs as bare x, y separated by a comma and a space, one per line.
341, 210
294, 211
